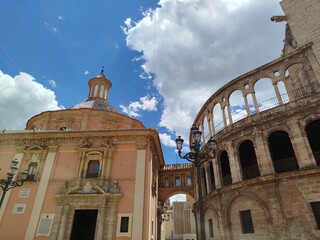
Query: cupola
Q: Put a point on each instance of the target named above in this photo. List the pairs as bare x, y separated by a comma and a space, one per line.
99, 87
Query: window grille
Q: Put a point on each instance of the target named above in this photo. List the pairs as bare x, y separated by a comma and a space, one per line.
246, 222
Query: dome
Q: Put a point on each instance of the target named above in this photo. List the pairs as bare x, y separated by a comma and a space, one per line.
96, 104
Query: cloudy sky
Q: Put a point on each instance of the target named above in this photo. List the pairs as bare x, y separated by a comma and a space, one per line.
165, 58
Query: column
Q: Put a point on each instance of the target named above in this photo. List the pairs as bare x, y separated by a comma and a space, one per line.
264, 159
209, 125
229, 114
224, 116
37, 206
63, 222
234, 164
100, 222
109, 156
301, 146
247, 104
138, 207
208, 177
212, 125
203, 133
217, 172
80, 169
255, 102
276, 89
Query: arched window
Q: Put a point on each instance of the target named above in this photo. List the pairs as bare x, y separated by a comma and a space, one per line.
265, 94
313, 133
282, 152
225, 169
237, 106
299, 80
248, 160
212, 176
218, 118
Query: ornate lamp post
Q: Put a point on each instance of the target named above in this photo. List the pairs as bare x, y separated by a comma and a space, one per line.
197, 157
7, 184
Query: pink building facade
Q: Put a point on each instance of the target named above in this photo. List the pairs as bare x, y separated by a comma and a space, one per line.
93, 174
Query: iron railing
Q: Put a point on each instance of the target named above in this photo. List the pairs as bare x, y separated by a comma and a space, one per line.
250, 172
285, 165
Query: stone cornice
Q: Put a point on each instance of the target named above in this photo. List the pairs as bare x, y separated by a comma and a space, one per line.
56, 138
73, 137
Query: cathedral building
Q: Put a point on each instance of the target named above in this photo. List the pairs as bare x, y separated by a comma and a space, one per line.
92, 174
264, 181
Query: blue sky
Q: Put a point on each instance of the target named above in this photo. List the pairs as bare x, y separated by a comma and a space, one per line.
165, 58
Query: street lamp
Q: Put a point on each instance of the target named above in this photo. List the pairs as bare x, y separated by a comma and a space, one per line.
7, 184
197, 157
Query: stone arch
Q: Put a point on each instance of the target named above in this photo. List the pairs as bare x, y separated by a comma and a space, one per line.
242, 201
248, 160
237, 105
168, 195
210, 212
299, 79
265, 94
225, 168
282, 152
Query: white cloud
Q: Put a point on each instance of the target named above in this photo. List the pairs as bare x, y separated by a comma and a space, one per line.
21, 98
61, 17
195, 47
145, 103
52, 83
86, 72
166, 140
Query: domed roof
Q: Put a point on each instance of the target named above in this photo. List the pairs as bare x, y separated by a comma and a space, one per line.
96, 104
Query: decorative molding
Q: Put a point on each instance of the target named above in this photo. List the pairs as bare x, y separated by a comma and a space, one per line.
141, 145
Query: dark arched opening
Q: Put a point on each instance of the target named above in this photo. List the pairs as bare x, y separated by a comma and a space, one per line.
212, 176
282, 152
204, 182
248, 160
225, 169
313, 133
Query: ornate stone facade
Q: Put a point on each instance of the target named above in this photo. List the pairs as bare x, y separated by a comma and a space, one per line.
91, 170
264, 182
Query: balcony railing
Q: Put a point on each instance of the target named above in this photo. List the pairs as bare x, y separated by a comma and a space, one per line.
285, 165
303, 91
250, 172
177, 166
30, 178
227, 180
